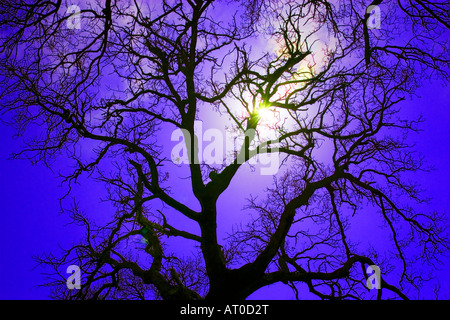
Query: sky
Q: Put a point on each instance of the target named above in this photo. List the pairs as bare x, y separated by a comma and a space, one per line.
31, 222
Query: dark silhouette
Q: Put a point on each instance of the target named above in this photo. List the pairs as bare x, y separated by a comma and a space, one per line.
133, 71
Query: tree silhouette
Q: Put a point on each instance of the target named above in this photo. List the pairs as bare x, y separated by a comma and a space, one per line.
105, 95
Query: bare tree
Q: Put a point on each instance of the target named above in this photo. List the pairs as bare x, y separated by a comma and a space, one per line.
103, 84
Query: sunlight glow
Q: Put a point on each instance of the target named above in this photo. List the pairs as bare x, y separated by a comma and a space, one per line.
269, 117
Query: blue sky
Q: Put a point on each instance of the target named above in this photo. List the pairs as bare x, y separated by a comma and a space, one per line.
32, 224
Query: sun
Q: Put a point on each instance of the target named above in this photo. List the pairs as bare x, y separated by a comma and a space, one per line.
269, 117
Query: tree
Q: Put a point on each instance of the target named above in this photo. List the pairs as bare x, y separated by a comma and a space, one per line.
103, 92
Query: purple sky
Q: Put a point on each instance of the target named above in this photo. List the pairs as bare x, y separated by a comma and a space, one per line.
32, 223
